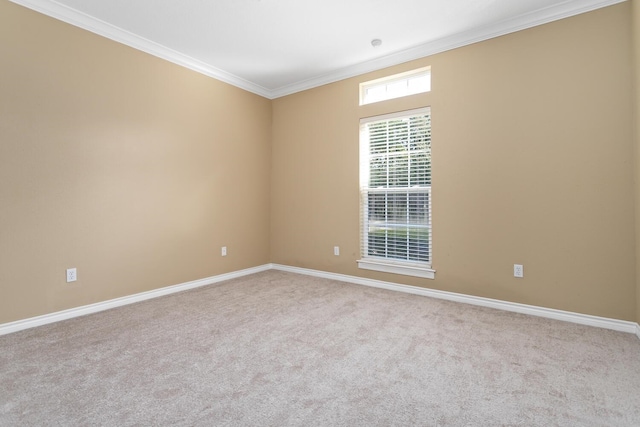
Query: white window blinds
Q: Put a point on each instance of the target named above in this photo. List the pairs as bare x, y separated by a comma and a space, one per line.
396, 188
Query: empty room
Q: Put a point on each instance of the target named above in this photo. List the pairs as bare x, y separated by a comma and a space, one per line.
288, 213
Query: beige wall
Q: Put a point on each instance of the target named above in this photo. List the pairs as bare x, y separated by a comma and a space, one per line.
635, 56
533, 164
132, 169
136, 171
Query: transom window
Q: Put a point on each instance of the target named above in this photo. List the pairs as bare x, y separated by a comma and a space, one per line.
395, 187
396, 86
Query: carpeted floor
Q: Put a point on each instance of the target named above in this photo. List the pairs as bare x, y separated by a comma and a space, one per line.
279, 349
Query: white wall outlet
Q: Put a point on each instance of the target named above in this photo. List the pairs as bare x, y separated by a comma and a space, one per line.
518, 270
223, 252
72, 275
336, 250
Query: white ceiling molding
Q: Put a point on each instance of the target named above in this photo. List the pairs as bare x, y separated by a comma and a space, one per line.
71, 16
89, 23
557, 12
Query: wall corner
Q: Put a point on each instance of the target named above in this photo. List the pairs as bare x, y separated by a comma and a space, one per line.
635, 59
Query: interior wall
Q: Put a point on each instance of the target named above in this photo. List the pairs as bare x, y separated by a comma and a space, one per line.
136, 171
532, 164
131, 169
635, 53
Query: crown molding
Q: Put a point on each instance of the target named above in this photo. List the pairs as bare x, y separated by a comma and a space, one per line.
552, 13
79, 19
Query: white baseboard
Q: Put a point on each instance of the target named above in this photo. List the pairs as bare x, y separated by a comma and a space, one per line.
32, 322
567, 316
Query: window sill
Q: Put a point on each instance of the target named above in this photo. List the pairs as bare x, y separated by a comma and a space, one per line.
388, 267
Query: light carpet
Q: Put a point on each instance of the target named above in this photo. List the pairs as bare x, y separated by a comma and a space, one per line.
280, 349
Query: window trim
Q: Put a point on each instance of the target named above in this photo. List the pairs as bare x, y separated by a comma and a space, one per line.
407, 268
390, 267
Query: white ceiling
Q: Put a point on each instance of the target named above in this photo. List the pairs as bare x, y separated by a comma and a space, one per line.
277, 47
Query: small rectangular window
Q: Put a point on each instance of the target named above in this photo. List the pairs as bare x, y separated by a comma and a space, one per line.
396, 86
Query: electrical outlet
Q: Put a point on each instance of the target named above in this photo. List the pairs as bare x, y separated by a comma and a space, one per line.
336, 250
224, 251
72, 275
518, 270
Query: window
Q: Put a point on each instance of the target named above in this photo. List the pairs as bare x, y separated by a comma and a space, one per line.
396, 86
395, 193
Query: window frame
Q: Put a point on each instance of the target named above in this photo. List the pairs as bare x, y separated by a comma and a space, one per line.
386, 264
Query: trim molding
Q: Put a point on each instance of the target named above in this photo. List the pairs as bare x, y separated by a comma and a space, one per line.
388, 267
563, 10
87, 22
552, 13
566, 316
45, 319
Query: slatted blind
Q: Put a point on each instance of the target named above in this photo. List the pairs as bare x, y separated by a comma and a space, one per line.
396, 187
